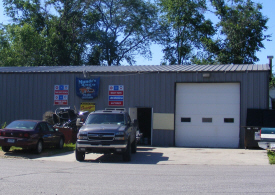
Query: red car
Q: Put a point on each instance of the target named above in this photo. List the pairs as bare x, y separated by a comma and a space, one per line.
30, 134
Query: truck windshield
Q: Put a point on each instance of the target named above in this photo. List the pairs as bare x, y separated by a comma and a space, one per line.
105, 119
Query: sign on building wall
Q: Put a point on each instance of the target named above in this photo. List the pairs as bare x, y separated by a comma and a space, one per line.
87, 106
61, 93
116, 95
87, 88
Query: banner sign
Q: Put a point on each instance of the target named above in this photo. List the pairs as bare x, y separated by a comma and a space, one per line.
87, 106
61, 93
116, 95
87, 88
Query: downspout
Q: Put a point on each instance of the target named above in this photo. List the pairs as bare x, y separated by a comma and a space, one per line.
270, 78
270, 65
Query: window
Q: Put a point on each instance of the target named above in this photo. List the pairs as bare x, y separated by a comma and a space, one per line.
228, 120
207, 120
50, 128
44, 127
185, 120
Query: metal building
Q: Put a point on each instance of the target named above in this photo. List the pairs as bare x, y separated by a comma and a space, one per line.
180, 105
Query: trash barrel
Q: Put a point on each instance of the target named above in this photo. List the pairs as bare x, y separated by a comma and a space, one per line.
252, 136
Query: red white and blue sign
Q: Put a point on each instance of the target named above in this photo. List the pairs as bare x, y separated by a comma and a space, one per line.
61, 93
116, 95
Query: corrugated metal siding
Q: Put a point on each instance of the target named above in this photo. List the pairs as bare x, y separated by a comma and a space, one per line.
164, 138
30, 95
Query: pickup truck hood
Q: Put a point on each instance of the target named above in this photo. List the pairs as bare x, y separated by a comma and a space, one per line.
102, 127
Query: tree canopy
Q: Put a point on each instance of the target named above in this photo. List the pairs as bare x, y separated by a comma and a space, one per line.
242, 27
110, 32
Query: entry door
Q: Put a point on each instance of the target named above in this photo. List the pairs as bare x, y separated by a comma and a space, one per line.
207, 115
133, 113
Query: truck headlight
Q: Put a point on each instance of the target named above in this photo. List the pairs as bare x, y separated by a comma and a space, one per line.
120, 136
82, 136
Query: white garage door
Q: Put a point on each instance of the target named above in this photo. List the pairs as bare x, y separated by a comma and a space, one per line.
207, 115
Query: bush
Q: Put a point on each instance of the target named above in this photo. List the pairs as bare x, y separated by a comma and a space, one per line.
48, 117
3, 125
271, 156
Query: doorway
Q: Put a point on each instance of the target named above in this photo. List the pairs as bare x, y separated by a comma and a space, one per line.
144, 117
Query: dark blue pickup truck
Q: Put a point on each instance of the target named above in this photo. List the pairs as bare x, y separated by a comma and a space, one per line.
107, 131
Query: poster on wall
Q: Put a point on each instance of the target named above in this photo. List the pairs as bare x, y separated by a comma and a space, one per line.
116, 95
87, 88
87, 106
61, 93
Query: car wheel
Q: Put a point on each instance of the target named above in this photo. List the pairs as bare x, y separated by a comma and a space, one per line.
6, 148
60, 143
80, 156
134, 146
126, 156
39, 147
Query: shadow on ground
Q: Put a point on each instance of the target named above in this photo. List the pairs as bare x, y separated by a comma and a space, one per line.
142, 156
29, 154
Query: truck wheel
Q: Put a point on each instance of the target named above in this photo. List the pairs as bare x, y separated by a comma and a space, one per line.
134, 146
126, 156
6, 148
80, 156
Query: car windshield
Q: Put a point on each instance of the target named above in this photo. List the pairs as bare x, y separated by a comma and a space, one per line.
105, 119
21, 125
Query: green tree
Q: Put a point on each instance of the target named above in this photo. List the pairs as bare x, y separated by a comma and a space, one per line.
241, 25
63, 31
184, 28
21, 46
77, 32
126, 29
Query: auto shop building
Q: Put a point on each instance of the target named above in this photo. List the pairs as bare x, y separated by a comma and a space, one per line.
179, 105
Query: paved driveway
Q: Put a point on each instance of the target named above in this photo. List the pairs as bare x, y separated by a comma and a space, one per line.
177, 156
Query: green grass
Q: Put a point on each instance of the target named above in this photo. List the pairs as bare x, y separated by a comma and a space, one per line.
271, 156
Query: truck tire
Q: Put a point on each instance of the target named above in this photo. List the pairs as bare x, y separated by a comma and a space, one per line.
134, 146
126, 156
79, 156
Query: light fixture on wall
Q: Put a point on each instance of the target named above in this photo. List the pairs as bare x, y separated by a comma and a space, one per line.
85, 73
206, 75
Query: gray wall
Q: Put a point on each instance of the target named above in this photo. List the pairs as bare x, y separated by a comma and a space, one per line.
30, 95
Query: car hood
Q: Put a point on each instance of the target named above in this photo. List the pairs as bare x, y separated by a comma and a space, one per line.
103, 127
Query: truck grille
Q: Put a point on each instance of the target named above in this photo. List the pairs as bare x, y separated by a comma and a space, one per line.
101, 136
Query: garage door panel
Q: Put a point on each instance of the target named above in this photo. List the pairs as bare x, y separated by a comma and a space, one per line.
214, 113
215, 131
217, 119
210, 142
193, 109
209, 99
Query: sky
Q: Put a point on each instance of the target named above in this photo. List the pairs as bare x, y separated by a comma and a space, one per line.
269, 50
